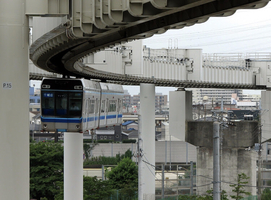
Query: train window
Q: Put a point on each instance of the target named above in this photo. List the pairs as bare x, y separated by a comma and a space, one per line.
91, 106
61, 103
112, 106
103, 106
248, 117
75, 103
48, 103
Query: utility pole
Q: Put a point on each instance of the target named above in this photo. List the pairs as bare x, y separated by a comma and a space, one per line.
140, 163
163, 181
216, 161
260, 164
191, 178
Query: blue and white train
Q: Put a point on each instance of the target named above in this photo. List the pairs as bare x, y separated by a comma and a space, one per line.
79, 105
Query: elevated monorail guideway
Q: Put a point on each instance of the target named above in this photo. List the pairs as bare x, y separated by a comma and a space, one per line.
111, 22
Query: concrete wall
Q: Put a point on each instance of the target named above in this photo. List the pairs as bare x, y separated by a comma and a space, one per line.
266, 114
234, 161
243, 134
180, 109
162, 151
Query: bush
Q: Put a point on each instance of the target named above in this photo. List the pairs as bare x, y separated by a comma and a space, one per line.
105, 141
128, 141
88, 141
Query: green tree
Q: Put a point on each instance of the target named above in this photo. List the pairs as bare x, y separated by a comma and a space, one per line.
88, 147
238, 188
209, 195
95, 189
266, 195
187, 197
124, 177
104, 160
46, 169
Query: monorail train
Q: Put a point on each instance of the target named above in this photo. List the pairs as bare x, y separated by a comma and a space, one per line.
79, 105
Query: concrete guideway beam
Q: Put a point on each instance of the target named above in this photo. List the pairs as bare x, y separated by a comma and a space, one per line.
14, 101
63, 58
47, 7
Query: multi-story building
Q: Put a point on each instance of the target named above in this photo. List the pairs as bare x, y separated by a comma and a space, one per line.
201, 96
127, 99
160, 100
33, 96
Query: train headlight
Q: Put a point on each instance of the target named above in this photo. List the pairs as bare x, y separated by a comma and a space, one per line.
77, 126
45, 126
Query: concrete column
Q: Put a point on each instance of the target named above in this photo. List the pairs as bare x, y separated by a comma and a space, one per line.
180, 109
73, 166
147, 112
266, 114
14, 101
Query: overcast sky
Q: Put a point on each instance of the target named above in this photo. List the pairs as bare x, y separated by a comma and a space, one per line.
245, 31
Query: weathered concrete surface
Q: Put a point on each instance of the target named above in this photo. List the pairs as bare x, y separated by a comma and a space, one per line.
243, 134
234, 158
234, 161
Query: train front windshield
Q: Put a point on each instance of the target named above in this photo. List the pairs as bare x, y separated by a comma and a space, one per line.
61, 104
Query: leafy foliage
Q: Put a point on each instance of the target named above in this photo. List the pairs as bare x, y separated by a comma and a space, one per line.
239, 187
209, 195
88, 147
187, 197
46, 169
129, 141
124, 176
103, 160
95, 189
266, 195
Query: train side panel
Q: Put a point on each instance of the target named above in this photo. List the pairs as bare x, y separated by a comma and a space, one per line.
91, 105
111, 112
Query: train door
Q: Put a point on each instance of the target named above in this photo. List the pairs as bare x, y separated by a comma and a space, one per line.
96, 113
119, 113
91, 123
107, 118
85, 115
102, 113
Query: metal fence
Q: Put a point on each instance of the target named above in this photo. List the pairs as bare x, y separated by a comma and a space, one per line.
119, 195
174, 180
253, 197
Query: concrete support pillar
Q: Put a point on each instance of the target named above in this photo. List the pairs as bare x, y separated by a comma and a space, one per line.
147, 112
180, 109
266, 114
73, 166
14, 101
234, 161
